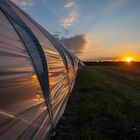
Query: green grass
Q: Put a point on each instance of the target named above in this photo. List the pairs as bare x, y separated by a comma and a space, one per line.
108, 104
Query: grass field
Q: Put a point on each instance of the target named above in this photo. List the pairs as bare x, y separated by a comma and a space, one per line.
107, 106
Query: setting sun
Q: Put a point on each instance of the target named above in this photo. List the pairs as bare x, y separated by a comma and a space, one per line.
129, 59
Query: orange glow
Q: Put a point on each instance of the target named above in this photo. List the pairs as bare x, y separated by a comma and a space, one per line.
128, 59
38, 96
34, 77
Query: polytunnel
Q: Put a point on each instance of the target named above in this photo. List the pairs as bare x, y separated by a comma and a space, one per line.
37, 74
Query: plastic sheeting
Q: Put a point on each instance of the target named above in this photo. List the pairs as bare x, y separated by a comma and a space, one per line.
25, 110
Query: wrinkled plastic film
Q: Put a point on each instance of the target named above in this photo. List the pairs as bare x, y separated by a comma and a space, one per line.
21, 99
27, 113
56, 68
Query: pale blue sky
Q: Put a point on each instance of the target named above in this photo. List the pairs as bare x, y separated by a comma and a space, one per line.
111, 27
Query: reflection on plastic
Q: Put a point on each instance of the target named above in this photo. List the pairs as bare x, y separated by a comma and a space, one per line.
24, 113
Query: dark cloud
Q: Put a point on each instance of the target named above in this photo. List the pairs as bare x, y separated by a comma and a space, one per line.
76, 44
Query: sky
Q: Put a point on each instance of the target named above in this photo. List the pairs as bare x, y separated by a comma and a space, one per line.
92, 29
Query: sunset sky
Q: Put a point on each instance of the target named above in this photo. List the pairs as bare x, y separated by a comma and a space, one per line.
93, 29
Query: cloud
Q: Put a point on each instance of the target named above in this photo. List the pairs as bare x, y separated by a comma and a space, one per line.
24, 3
69, 4
76, 44
109, 58
69, 20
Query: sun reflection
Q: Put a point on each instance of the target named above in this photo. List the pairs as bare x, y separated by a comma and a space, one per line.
34, 76
38, 97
